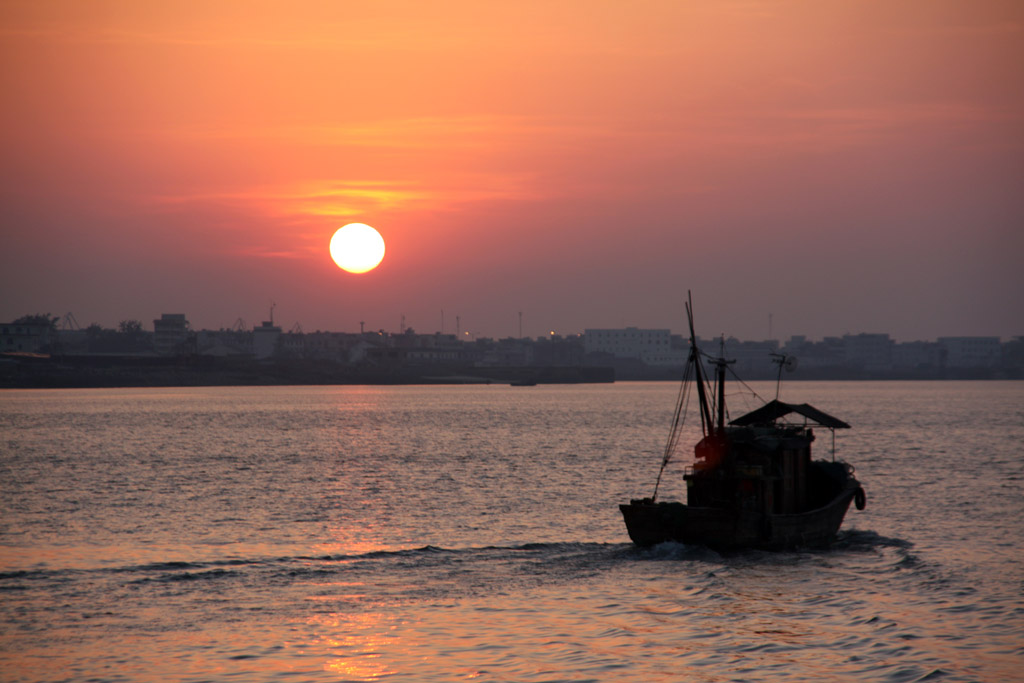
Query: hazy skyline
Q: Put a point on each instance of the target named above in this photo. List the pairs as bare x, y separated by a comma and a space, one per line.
844, 166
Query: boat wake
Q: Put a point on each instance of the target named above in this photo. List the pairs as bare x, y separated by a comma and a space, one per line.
862, 539
557, 559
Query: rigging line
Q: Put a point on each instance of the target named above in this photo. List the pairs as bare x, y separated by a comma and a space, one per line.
677, 422
678, 428
679, 416
675, 425
748, 387
742, 397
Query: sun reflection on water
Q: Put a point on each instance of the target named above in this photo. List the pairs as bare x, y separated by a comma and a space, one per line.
358, 643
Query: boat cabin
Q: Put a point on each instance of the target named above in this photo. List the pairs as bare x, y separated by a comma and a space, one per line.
759, 464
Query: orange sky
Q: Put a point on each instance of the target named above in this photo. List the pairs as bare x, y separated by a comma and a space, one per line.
846, 166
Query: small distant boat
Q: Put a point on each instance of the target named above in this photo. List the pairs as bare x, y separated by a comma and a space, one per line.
753, 483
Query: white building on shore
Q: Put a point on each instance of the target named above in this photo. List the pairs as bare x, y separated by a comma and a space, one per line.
170, 334
264, 339
652, 346
971, 352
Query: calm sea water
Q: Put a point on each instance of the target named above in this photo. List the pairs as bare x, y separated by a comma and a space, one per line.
472, 533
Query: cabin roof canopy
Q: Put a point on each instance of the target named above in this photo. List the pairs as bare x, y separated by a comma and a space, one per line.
773, 410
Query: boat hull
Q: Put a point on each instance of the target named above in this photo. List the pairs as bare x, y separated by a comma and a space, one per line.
650, 523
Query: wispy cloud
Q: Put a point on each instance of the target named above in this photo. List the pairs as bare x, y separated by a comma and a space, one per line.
450, 133
334, 198
348, 198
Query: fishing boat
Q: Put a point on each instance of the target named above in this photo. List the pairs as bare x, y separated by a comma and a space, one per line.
753, 483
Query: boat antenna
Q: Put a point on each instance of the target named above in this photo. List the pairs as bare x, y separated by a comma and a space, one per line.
783, 361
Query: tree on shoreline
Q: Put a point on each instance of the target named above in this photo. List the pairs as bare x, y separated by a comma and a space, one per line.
38, 319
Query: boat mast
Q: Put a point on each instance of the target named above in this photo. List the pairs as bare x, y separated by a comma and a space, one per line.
720, 365
707, 425
720, 370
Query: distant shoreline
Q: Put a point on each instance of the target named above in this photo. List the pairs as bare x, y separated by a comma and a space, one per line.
111, 372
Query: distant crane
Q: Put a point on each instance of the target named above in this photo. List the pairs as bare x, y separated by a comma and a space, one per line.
296, 328
69, 323
239, 326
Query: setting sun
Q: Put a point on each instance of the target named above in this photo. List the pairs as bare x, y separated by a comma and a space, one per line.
357, 248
